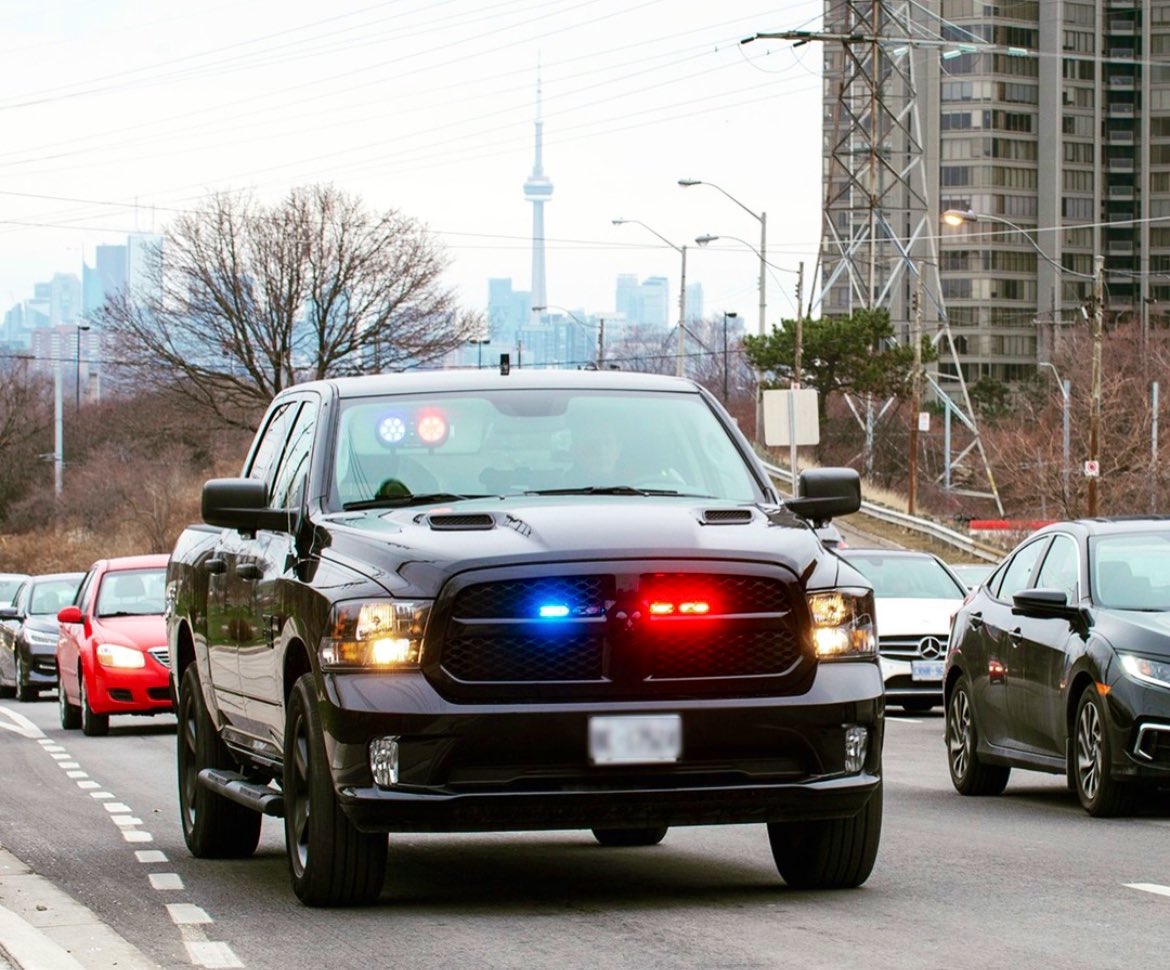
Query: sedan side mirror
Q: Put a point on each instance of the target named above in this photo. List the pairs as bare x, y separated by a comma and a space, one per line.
9, 613
1044, 602
69, 614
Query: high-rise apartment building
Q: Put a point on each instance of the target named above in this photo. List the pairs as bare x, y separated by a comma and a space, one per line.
1050, 124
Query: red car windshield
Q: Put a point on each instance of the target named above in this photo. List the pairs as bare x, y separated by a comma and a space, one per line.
132, 592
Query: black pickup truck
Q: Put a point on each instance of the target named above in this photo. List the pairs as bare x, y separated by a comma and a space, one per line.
471, 601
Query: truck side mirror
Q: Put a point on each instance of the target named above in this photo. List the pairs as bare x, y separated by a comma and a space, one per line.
241, 503
825, 493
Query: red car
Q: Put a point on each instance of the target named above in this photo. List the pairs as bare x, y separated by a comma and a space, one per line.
112, 647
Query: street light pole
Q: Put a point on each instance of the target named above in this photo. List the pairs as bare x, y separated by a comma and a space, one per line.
682, 292
726, 314
1065, 393
1095, 394
915, 392
77, 369
762, 219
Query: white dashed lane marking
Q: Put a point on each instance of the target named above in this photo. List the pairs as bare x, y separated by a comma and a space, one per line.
165, 881
187, 914
189, 918
1149, 887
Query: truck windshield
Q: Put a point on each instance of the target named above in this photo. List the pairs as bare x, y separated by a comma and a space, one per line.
523, 441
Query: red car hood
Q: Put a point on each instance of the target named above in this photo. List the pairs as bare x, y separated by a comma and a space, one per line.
142, 632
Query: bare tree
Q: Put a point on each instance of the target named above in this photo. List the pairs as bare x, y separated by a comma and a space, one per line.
242, 300
26, 416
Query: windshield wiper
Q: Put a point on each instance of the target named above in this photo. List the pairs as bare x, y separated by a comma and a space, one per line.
403, 501
106, 616
609, 490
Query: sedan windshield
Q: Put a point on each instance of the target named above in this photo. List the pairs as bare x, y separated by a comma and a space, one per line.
1131, 572
542, 441
131, 592
51, 595
907, 577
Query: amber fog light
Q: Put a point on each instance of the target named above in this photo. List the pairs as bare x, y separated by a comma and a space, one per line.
856, 742
384, 761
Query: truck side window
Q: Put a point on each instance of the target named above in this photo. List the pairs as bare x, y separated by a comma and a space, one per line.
294, 466
271, 443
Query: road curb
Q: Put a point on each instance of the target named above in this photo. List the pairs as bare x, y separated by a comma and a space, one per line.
43, 928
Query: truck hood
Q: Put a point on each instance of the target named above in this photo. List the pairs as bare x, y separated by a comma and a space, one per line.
412, 552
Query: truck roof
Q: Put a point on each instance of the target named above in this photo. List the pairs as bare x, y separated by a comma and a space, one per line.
482, 380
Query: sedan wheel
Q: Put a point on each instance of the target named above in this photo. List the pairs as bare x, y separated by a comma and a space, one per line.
1099, 794
70, 713
969, 773
94, 725
25, 691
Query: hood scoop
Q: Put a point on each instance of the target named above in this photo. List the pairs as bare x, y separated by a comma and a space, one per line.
727, 516
461, 521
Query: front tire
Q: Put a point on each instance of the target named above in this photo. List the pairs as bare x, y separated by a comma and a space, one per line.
92, 725
70, 714
25, 692
969, 773
624, 838
1100, 794
213, 826
331, 863
833, 853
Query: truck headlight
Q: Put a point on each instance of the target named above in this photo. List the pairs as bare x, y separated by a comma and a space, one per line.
116, 655
375, 634
843, 625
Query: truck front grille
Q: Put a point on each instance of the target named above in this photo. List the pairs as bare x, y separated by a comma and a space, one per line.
594, 634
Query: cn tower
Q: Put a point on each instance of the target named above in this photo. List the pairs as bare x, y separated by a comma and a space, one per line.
537, 189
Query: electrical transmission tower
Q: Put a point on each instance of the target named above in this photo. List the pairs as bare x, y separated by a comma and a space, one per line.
880, 212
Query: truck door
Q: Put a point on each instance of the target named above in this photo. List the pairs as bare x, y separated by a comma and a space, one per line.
230, 620
272, 564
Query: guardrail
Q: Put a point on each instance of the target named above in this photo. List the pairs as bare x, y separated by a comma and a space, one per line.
912, 523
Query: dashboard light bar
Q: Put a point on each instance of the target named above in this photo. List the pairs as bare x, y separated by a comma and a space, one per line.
694, 607
661, 609
554, 611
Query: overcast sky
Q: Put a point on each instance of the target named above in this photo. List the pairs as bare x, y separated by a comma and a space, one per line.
116, 114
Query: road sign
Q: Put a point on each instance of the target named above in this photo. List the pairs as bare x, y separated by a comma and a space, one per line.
783, 420
1092, 469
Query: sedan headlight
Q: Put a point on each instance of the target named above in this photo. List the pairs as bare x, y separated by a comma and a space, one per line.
116, 655
1156, 672
843, 624
375, 635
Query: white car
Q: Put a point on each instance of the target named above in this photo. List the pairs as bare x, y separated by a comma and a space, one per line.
915, 595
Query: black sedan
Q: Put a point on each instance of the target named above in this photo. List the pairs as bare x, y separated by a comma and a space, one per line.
1060, 662
28, 634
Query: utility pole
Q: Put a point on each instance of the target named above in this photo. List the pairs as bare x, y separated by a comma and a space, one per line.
915, 391
679, 368
1095, 395
726, 314
600, 342
798, 348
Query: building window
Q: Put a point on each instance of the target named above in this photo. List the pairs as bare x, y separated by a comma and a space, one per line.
957, 120
1078, 152
1080, 41
1076, 208
1077, 180
955, 175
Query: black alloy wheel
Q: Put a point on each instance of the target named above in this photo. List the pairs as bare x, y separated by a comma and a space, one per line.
969, 773
70, 714
213, 826
1100, 794
330, 862
92, 725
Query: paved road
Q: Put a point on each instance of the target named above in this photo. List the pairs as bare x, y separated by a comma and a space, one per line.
1025, 880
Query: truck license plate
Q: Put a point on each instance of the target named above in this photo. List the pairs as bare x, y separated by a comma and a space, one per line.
635, 739
926, 669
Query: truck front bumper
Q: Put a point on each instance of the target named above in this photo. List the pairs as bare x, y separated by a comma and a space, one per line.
477, 767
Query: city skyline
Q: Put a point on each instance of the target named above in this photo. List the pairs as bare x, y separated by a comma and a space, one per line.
149, 112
